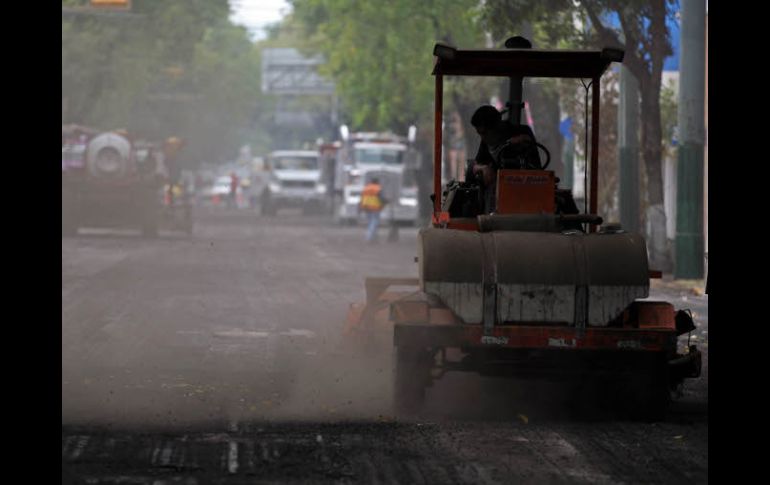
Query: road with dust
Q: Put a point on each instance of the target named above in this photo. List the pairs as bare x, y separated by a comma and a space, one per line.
217, 358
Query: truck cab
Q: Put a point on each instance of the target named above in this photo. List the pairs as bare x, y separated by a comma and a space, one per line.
385, 156
294, 181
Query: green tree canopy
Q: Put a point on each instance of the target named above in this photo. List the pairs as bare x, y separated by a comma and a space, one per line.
381, 53
644, 37
171, 68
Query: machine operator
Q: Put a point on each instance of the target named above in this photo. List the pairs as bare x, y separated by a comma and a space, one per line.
503, 145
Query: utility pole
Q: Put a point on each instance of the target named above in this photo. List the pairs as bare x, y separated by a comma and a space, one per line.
628, 146
568, 153
515, 83
689, 213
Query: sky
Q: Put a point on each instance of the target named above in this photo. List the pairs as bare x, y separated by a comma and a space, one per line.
255, 15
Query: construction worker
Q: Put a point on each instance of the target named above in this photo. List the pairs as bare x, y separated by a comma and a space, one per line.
232, 200
372, 203
171, 148
502, 145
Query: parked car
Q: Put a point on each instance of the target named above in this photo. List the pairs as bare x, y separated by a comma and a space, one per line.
219, 191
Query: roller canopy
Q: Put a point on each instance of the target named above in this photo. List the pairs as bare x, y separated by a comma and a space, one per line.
523, 62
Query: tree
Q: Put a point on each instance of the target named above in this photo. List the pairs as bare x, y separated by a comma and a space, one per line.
225, 81
174, 68
645, 39
609, 176
547, 25
380, 53
647, 44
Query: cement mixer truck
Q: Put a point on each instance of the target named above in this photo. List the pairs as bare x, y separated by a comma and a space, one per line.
536, 288
108, 180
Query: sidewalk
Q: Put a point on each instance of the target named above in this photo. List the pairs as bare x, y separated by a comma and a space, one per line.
696, 287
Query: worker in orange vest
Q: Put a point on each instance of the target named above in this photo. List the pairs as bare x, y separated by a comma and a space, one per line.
372, 203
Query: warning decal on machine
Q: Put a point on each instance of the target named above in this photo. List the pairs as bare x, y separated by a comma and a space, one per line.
629, 344
527, 179
562, 342
492, 340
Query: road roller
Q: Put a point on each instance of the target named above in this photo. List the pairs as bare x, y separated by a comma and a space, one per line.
535, 288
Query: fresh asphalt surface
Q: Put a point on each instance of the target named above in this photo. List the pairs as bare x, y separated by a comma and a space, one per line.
217, 358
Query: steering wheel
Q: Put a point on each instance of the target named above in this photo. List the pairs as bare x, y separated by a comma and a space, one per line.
523, 152
547, 154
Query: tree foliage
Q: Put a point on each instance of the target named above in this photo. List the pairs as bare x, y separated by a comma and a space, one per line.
609, 175
172, 68
644, 37
381, 53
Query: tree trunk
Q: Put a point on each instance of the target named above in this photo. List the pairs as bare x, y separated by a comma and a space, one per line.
465, 110
648, 72
546, 117
652, 154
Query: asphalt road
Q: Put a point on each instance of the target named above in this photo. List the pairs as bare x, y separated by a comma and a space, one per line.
217, 359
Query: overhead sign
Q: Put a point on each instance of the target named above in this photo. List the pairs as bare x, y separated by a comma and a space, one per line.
287, 71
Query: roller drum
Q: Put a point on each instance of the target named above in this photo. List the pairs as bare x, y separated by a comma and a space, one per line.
534, 277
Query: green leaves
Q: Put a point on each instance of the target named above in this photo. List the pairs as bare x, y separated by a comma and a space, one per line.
380, 53
179, 68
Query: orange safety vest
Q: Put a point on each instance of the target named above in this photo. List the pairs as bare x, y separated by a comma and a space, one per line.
370, 198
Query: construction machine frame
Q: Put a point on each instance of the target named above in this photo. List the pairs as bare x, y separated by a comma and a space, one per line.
531, 290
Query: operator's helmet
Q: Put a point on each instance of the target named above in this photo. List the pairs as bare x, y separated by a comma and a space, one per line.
486, 117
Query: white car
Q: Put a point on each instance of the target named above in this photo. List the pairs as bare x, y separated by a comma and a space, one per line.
219, 191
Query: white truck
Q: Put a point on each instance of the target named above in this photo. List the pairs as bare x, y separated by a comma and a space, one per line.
294, 181
388, 157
